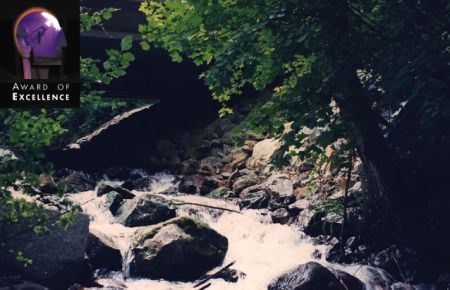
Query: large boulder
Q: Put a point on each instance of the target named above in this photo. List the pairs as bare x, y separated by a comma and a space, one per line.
145, 210
113, 201
244, 182
334, 251
57, 258
309, 221
238, 173
281, 190
257, 198
280, 186
78, 181
115, 195
178, 250
262, 153
237, 161
309, 276
280, 216
331, 224
142, 183
298, 206
102, 254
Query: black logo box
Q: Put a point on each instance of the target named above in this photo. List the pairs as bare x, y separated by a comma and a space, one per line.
68, 15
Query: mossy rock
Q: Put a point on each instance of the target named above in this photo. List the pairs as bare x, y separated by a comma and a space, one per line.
181, 249
145, 210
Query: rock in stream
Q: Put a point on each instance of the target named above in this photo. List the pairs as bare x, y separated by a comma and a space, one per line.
309, 276
179, 250
145, 210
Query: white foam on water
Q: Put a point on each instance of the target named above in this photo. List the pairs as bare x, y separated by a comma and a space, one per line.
262, 250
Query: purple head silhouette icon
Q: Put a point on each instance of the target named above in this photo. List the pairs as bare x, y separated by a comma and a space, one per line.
39, 39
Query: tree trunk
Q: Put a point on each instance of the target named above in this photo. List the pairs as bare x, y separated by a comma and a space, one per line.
379, 163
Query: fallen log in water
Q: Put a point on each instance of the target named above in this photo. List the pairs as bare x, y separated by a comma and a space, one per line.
203, 281
208, 206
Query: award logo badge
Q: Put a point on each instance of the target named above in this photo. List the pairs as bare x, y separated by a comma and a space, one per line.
40, 40
46, 52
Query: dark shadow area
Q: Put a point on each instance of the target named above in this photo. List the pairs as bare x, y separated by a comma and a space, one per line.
184, 102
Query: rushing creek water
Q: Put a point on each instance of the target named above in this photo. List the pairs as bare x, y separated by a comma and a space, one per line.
260, 249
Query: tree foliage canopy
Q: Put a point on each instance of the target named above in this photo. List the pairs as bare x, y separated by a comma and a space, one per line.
399, 48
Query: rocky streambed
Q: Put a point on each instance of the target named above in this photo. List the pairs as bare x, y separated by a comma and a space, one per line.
200, 235
216, 216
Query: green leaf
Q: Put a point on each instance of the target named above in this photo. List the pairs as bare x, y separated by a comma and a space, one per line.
145, 45
107, 14
128, 56
124, 63
127, 43
107, 65
111, 52
176, 57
